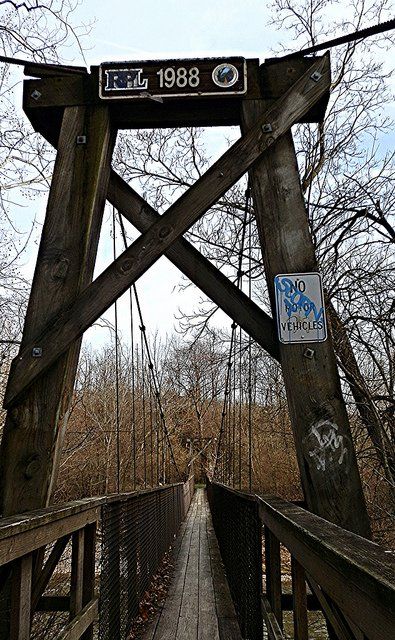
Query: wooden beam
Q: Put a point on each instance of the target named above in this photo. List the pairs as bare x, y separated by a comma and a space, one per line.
41, 583
20, 617
77, 627
258, 324
64, 328
35, 426
314, 394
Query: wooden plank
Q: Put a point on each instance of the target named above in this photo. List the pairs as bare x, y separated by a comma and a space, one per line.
77, 567
88, 576
332, 489
76, 628
299, 600
354, 572
21, 599
66, 327
208, 621
35, 426
41, 583
273, 628
166, 625
273, 574
32, 539
187, 628
198, 269
53, 603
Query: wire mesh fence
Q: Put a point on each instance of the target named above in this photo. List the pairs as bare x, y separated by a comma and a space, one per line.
136, 532
239, 533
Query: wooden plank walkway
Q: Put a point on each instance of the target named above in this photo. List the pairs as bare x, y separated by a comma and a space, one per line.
198, 605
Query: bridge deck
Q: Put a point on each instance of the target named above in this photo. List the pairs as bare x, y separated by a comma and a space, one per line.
198, 605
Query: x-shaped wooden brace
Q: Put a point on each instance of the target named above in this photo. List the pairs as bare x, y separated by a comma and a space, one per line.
142, 253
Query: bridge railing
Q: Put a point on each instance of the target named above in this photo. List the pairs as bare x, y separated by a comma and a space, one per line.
350, 579
117, 543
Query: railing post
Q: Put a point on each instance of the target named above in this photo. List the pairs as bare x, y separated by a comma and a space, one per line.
273, 574
299, 597
88, 580
21, 590
77, 573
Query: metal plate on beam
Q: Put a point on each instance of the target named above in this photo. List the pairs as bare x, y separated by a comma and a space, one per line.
300, 308
173, 78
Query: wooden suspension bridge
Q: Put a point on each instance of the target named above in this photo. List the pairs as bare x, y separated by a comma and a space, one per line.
228, 556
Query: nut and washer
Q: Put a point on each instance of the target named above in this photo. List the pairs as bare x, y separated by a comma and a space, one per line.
80, 139
35, 95
309, 353
316, 76
267, 128
37, 352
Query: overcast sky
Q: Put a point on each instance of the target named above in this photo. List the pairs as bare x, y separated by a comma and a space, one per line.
155, 29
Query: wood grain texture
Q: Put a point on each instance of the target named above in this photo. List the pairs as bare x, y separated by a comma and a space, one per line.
35, 426
21, 599
332, 489
299, 601
198, 605
258, 324
64, 328
357, 574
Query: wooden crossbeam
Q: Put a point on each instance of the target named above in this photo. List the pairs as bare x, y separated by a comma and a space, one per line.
258, 324
132, 263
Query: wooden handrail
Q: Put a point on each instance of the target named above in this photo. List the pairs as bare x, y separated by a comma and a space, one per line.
352, 577
356, 573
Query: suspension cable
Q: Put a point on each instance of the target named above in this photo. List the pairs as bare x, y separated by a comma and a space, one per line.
232, 337
117, 410
150, 361
359, 35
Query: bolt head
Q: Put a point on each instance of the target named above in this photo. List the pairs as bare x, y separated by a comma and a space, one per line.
36, 95
316, 76
81, 140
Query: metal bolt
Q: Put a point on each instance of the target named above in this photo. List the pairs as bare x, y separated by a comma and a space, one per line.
37, 352
80, 139
316, 76
309, 353
267, 128
35, 95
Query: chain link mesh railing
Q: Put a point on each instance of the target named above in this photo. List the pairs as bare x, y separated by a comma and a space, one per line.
137, 530
239, 532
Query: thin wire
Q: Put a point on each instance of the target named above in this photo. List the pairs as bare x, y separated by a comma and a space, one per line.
249, 362
117, 408
223, 425
133, 399
150, 362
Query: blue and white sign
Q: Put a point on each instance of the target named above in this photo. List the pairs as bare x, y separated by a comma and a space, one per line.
300, 308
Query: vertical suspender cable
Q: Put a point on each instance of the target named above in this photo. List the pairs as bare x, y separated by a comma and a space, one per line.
117, 414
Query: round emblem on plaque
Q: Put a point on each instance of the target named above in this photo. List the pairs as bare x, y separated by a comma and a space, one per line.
225, 75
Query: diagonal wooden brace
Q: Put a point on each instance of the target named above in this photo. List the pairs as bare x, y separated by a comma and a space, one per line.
258, 324
129, 266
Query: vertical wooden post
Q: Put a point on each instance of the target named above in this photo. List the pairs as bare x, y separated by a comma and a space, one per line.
299, 597
273, 574
21, 591
77, 573
312, 385
88, 578
35, 425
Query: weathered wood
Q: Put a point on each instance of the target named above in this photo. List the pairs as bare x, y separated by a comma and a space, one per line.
88, 578
273, 574
36, 423
53, 603
63, 330
273, 628
41, 583
77, 627
354, 572
77, 568
198, 269
333, 488
299, 600
15, 546
336, 626
21, 599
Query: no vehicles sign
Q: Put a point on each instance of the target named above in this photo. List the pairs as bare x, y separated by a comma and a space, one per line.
300, 307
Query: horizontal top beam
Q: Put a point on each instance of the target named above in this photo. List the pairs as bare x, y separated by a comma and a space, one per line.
45, 97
